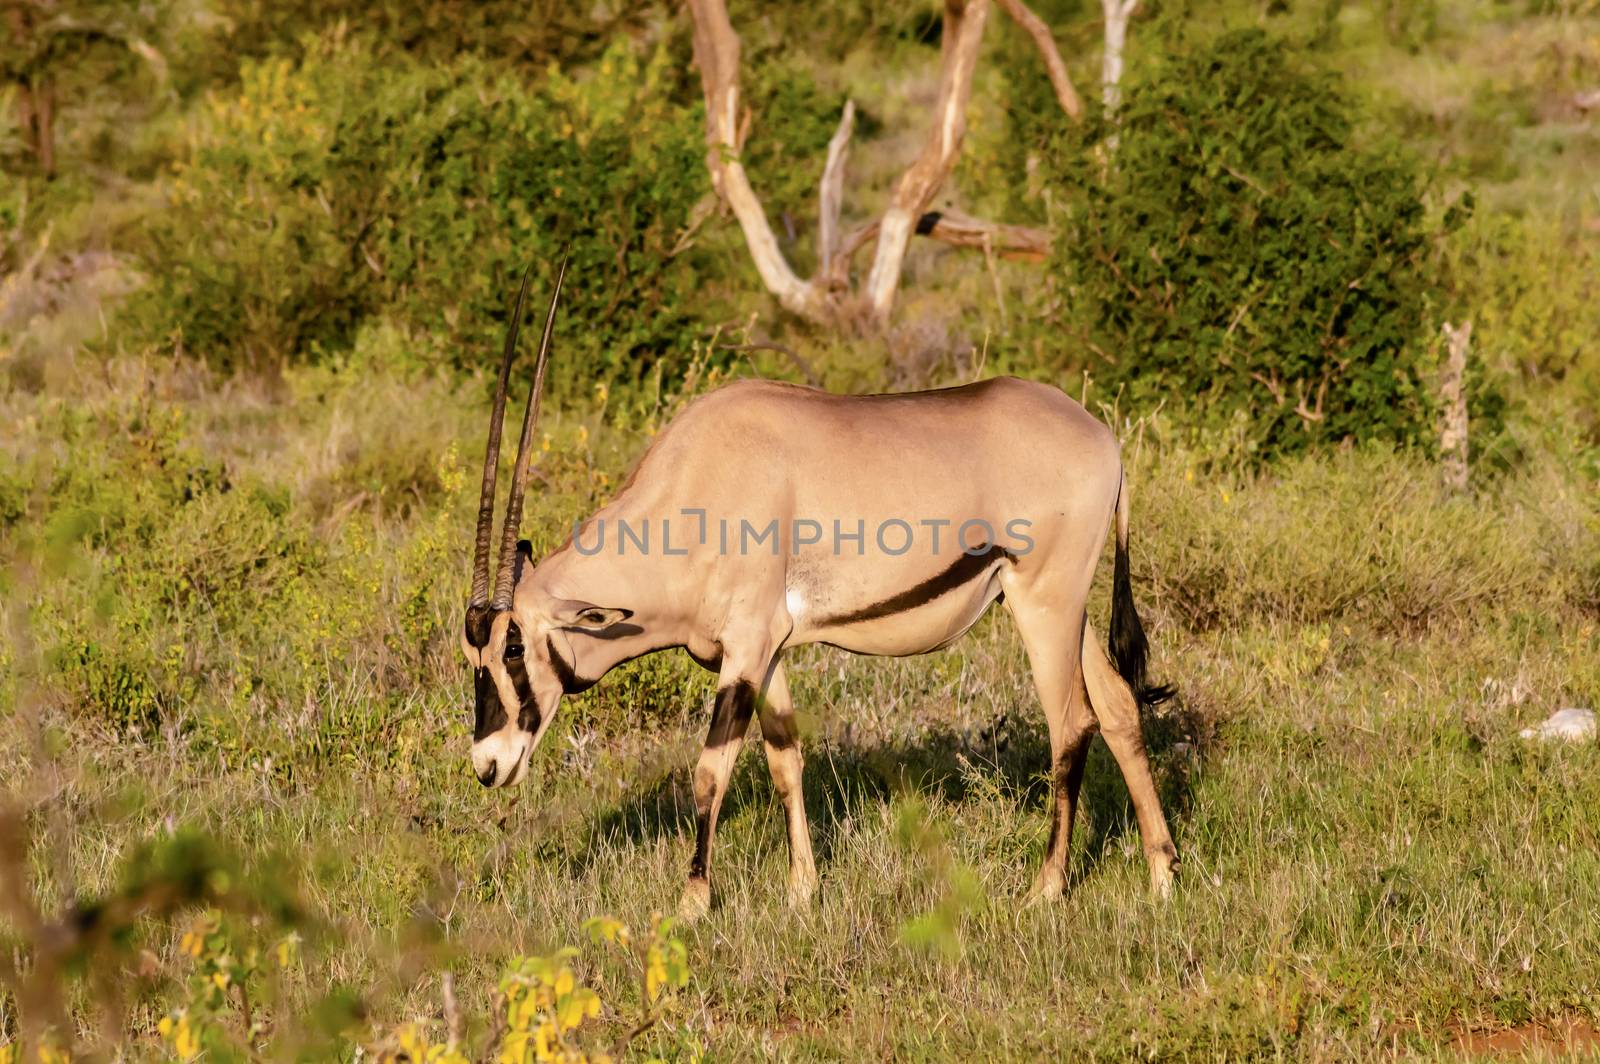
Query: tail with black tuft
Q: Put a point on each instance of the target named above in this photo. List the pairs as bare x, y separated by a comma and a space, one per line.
1129, 648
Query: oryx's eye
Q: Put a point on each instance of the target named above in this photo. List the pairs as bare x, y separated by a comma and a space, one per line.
513, 651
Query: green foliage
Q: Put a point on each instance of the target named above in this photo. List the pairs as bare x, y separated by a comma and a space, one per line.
960, 893
788, 144
1244, 249
532, 33
1531, 286
1429, 561
322, 191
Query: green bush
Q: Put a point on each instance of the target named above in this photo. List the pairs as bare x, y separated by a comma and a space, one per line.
1532, 288
435, 30
1245, 249
316, 193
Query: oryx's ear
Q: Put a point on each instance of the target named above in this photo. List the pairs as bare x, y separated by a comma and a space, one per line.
585, 616
523, 559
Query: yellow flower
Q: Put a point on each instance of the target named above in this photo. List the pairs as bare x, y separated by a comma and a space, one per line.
544, 1042
514, 1049
411, 1042
655, 973
583, 434
176, 1030
583, 1004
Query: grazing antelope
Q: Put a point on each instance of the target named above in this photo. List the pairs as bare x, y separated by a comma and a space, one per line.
736, 490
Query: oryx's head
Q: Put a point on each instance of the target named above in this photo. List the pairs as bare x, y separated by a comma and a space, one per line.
510, 640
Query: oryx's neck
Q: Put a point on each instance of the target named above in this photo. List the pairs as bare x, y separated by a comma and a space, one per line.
617, 559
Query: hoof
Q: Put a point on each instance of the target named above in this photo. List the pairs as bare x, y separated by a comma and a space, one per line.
1163, 871
1047, 888
801, 893
696, 901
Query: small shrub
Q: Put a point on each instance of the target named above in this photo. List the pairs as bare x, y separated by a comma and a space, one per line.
320, 191
1364, 537
1531, 285
1244, 248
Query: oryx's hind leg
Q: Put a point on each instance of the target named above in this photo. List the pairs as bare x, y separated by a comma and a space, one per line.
1051, 630
781, 737
1118, 712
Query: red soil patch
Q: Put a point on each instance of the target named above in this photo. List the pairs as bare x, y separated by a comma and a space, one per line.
1564, 1038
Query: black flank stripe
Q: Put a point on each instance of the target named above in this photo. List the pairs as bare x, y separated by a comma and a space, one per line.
962, 570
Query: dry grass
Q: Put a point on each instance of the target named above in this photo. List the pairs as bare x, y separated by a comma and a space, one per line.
1372, 857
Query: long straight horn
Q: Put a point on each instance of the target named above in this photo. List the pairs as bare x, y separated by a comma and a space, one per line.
491, 456
519, 472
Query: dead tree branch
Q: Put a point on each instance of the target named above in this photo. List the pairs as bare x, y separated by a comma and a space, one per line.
830, 195
1117, 13
716, 52
964, 21
1020, 242
1453, 450
827, 297
1054, 66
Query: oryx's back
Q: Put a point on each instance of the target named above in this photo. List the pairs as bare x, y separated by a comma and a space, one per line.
996, 442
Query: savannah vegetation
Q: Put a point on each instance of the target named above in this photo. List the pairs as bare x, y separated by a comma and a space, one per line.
255, 262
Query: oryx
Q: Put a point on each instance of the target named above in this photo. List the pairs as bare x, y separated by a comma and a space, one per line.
735, 499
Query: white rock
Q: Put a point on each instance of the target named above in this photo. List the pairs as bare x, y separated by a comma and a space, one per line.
1571, 724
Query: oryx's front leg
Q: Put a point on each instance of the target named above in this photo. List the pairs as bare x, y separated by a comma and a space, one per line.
736, 701
741, 682
781, 737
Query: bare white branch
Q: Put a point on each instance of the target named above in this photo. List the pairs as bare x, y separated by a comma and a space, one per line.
1453, 450
1045, 41
830, 196
1117, 13
716, 52
963, 31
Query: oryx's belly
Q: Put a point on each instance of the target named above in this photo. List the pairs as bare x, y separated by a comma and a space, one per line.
922, 618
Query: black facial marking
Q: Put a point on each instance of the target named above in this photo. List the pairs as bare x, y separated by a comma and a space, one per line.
517, 668
491, 715
963, 569
571, 682
479, 620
